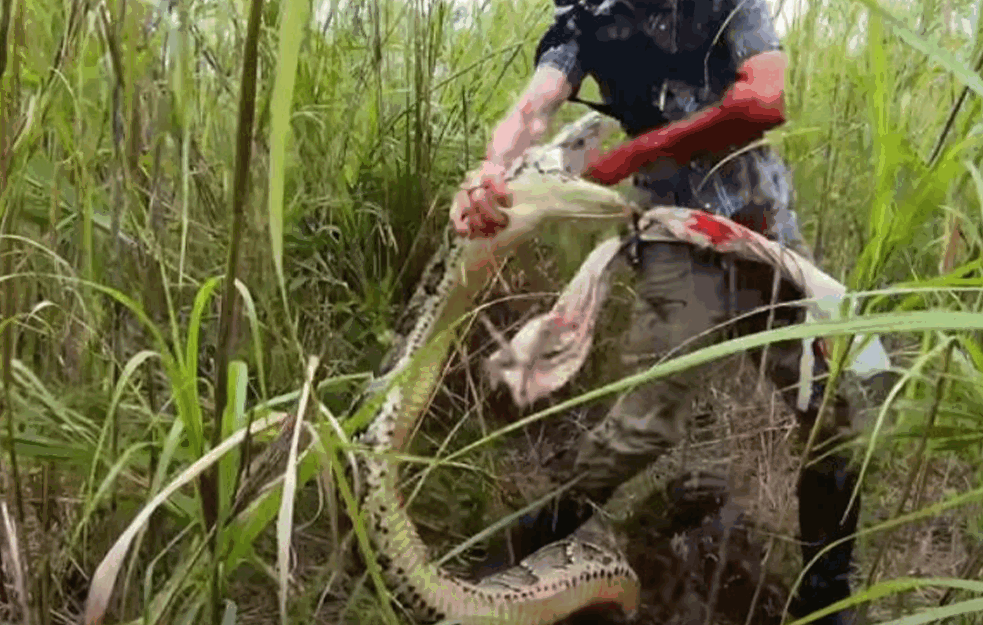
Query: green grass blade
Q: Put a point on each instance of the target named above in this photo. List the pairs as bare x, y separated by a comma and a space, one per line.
945, 58
293, 18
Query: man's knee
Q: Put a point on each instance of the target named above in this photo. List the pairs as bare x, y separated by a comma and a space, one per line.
640, 427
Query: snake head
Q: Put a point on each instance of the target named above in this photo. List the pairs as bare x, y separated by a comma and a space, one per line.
528, 364
580, 142
549, 350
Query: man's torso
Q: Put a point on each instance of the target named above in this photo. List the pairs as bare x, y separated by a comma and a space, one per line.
658, 61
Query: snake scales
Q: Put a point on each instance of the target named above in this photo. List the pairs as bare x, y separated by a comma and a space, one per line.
588, 567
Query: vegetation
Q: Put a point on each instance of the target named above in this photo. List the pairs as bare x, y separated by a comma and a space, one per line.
163, 286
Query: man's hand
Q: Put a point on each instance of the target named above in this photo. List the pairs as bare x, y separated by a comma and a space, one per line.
476, 211
477, 207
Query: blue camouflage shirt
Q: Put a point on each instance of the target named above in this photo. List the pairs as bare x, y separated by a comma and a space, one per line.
657, 61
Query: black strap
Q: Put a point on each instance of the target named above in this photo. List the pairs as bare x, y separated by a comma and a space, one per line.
603, 109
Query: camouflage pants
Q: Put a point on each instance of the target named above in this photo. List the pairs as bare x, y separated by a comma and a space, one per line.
682, 295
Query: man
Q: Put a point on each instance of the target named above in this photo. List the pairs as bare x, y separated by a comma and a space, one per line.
692, 83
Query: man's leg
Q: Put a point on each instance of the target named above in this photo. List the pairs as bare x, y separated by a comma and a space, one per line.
826, 513
680, 296
826, 484
826, 487
760, 184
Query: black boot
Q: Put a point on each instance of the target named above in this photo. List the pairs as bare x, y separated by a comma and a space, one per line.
824, 492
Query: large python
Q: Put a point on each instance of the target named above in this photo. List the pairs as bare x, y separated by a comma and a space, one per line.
588, 567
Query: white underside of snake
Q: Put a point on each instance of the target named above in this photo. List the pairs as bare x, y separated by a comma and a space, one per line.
587, 568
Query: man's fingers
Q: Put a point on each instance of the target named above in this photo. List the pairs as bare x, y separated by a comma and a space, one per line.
485, 205
481, 226
488, 229
504, 200
476, 211
459, 213
491, 214
460, 204
496, 186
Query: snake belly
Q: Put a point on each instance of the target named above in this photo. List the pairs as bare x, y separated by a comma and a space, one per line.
585, 569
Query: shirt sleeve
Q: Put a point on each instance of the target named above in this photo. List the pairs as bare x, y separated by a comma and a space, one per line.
559, 48
750, 30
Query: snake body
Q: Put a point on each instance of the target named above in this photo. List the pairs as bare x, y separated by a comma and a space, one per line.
585, 569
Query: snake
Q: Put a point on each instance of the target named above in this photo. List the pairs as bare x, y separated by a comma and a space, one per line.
585, 569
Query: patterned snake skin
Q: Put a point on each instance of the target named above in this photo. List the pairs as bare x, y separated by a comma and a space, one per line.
588, 567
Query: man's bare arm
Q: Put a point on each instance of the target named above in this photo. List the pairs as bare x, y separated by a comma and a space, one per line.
477, 208
531, 116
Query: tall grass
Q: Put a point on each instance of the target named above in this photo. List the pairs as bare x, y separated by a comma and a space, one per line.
164, 286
